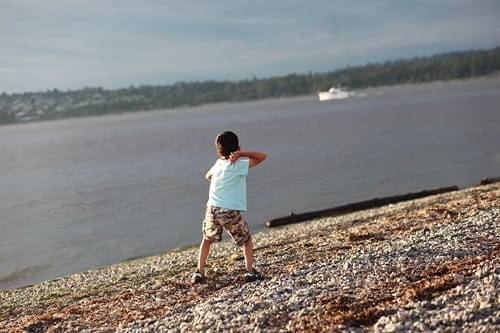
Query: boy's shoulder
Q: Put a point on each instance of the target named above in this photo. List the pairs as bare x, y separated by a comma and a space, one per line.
225, 163
242, 163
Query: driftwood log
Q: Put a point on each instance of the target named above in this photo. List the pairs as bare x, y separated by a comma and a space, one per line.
486, 181
353, 207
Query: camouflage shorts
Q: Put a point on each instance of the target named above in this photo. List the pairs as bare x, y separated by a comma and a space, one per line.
217, 218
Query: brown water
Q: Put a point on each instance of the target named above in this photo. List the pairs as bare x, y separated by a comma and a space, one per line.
83, 193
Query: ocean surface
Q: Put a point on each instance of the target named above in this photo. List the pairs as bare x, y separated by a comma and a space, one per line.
83, 193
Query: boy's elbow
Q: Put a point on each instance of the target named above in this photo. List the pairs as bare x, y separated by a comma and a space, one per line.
257, 160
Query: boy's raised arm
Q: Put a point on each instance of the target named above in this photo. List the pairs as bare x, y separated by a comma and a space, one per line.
255, 157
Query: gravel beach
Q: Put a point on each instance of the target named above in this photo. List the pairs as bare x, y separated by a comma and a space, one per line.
431, 264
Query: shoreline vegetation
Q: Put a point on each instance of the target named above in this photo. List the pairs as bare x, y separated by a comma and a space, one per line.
427, 264
92, 101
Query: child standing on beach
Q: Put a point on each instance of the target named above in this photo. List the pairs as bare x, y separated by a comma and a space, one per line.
226, 200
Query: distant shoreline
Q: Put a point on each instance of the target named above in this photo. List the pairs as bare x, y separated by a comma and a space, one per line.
93, 101
358, 93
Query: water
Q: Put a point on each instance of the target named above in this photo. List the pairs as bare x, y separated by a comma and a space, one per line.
83, 193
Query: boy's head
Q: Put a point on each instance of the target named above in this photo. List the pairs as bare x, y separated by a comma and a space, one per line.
226, 143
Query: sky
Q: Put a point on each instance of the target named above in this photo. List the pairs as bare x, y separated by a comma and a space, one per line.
72, 44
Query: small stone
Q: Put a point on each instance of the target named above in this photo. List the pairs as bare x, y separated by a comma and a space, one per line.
345, 266
391, 327
403, 316
261, 319
420, 326
484, 305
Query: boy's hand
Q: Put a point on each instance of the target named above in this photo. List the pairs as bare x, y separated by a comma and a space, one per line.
254, 156
234, 156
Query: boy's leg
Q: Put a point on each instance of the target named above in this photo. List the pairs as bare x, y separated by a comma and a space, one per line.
237, 227
248, 253
212, 232
251, 274
203, 255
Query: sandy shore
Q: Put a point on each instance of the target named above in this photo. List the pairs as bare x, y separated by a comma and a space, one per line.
425, 265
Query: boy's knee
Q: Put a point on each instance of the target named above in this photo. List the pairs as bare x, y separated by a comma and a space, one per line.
244, 241
206, 241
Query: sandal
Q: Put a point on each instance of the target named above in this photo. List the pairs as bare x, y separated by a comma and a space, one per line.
197, 277
253, 275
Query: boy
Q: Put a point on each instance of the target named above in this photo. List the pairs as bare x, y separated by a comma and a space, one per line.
226, 199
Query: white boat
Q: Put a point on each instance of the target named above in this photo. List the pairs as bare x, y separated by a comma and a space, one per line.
334, 93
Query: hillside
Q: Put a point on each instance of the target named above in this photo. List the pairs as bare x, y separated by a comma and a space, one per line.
56, 104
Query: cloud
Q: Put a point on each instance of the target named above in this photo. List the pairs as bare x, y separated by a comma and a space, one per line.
61, 44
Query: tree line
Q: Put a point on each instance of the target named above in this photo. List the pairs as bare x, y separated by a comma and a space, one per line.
55, 104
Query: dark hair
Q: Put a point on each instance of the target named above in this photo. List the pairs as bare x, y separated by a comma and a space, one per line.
227, 142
